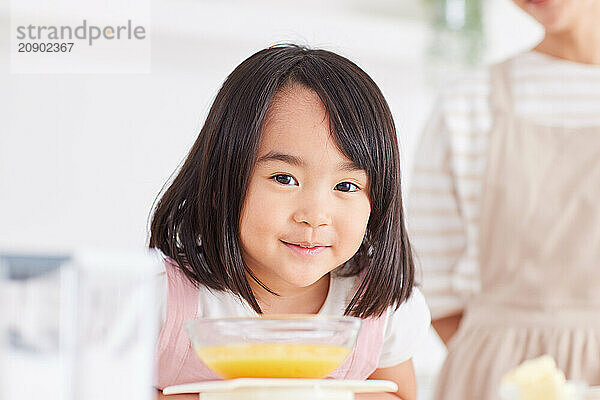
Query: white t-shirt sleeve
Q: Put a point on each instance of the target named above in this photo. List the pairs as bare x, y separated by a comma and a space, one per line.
405, 329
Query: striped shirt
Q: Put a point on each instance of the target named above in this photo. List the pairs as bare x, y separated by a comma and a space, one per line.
444, 203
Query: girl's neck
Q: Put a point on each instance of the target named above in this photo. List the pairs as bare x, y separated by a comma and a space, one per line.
580, 44
306, 300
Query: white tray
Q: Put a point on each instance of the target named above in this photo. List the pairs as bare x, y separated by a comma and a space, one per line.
354, 386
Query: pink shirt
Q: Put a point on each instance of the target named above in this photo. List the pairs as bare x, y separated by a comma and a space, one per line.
178, 363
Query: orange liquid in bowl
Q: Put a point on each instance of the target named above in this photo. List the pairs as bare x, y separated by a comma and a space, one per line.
273, 360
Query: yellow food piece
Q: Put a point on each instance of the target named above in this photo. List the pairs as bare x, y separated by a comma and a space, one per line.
538, 379
274, 360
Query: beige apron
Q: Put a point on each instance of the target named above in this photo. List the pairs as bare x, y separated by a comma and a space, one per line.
539, 240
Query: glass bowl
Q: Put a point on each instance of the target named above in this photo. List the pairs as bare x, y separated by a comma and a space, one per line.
281, 346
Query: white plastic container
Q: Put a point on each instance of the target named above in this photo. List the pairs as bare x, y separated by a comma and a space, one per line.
78, 326
288, 389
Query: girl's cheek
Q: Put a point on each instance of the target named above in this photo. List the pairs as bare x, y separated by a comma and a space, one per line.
269, 207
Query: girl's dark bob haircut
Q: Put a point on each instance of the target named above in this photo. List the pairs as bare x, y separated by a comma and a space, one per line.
196, 222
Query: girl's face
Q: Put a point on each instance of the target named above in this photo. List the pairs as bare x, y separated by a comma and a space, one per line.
307, 205
556, 15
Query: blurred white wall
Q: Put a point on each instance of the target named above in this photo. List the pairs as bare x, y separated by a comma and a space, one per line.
82, 157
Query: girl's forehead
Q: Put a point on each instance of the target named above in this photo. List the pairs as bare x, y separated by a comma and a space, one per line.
297, 124
295, 104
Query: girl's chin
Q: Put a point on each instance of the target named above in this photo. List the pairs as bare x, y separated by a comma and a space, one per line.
303, 281
283, 283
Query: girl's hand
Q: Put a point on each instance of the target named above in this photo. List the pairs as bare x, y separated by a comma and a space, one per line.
403, 375
189, 396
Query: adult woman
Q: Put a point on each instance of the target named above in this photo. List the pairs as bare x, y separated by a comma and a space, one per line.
504, 209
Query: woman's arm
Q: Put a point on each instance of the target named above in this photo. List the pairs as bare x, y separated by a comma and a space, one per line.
402, 374
446, 327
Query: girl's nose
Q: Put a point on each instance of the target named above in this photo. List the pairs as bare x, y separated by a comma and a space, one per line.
314, 212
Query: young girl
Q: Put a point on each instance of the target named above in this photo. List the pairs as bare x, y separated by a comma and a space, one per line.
289, 202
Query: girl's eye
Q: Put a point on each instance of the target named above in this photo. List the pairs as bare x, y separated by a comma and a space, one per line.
346, 187
285, 179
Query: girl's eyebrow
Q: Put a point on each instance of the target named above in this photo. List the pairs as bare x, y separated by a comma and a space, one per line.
345, 166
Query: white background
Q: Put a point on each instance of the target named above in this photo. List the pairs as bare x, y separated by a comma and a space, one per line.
83, 156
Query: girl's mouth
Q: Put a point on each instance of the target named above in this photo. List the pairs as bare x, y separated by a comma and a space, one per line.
305, 249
